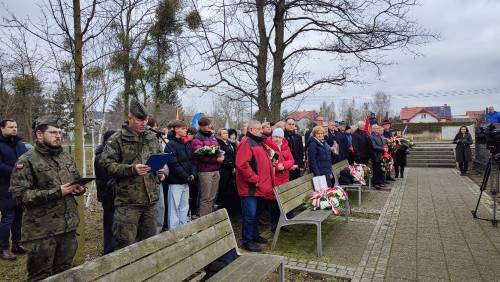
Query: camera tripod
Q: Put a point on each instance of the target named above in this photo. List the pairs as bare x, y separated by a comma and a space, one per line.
493, 163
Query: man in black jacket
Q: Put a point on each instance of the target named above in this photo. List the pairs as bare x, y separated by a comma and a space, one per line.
105, 194
388, 133
378, 152
342, 141
296, 147
11, 147
362, 144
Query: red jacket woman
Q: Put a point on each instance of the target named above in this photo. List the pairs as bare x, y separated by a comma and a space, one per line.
283, 164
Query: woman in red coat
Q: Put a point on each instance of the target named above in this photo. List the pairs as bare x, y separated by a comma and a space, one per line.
283, 162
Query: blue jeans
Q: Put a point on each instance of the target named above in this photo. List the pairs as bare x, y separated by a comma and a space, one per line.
250, 212
107, 224
178, 204
10, 224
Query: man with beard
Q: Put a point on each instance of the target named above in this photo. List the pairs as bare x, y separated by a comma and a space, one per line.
137, 189
296, 146
11, 147
42, 183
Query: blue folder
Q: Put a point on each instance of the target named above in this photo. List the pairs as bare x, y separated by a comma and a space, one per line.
158, 161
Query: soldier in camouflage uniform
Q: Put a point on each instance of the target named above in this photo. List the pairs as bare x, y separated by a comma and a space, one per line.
137, 190
41, 183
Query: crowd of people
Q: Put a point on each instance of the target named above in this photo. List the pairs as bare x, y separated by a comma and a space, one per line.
40, 185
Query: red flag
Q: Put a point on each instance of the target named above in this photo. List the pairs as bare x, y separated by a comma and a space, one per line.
368, 128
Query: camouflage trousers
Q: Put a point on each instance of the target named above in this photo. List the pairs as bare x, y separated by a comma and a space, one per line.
133, 224
51, 255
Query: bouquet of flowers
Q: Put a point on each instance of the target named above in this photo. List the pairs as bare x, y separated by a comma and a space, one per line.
334, 198
407, 142
387, 160
209, 151
357, 171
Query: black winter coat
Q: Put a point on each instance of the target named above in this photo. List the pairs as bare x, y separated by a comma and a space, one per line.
343, 145
463, 152
182, 165
229, 154
378, 147
103, 181
320, 158
362, 145
10, 150
296, 147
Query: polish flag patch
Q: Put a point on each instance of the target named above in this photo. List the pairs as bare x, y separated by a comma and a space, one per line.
19, 166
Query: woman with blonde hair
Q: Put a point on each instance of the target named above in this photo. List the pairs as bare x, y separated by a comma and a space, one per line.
319, 154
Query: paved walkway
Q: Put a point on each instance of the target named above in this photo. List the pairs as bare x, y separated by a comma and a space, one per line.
427, 233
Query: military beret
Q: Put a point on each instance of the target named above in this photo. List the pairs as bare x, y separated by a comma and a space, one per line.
138, 110
48, 120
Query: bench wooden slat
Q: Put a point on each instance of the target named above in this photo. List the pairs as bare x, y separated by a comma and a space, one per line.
248, 268
294, 183
297, 201
338, 167
178, 258
299, 190
188, 266
101, 266
310, 215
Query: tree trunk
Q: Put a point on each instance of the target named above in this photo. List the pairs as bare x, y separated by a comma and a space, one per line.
262, 63
279, 64
78, 110
127, 75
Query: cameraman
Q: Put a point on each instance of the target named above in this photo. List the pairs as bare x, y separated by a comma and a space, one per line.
492, 115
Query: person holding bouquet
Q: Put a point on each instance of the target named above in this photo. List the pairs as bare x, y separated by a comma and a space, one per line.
282, 166
400, 152
208, 159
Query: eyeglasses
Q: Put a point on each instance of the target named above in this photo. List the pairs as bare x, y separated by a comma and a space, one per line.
55, 133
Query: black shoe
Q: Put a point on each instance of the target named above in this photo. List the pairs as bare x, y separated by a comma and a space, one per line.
260, 240
18, 249
252, 247
390, 179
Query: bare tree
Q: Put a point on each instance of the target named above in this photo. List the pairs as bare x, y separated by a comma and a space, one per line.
381, 104
242, 39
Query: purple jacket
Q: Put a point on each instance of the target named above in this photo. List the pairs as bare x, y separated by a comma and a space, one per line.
204, 163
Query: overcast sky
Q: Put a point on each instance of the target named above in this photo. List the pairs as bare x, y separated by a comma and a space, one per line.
465, 58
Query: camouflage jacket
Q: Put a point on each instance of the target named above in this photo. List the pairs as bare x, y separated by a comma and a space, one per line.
36, 185
121, 154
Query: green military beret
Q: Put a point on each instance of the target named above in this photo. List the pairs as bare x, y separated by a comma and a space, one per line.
48, 120
138, 110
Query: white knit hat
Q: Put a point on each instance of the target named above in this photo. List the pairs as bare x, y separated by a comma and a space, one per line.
278, 132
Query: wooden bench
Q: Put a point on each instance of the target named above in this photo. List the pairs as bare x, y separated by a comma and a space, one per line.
178, 254
337, 168
292, 195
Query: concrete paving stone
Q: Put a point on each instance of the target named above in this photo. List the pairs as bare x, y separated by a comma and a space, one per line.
300, 264
314, 263
401, 272
433, 255
330, 265
431, 279
332, 270
396, 279
464, 270
458, 278
302, 260
432, 268
292, 263
322, 268
457, 258
322, 264
292, 259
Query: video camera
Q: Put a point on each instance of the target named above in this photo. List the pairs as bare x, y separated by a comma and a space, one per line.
490, 135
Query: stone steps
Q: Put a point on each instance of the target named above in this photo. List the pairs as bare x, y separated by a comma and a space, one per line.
432, 154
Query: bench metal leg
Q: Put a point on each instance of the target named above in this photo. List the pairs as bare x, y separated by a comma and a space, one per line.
359, 196
277, 233
347, 210
281, 271
319, 244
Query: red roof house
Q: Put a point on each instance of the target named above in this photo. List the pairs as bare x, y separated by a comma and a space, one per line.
426, 114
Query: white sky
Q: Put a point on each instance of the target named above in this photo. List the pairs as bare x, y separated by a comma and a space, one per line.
466, 57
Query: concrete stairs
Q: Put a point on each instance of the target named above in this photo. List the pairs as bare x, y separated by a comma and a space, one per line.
432, 154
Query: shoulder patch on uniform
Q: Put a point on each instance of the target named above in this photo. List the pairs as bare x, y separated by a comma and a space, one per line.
19, 166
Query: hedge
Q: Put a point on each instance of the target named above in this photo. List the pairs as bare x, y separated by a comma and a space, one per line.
417, 128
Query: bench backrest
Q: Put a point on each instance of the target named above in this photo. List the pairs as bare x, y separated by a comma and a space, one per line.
170, 256
292, 194
337, 168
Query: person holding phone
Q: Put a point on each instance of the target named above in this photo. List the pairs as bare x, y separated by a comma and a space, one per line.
137, 189
41, 183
